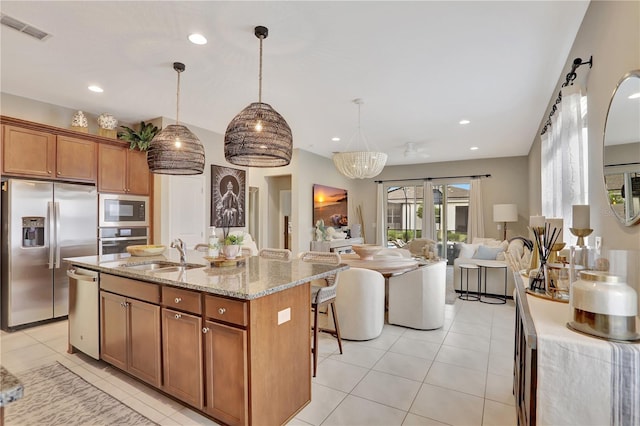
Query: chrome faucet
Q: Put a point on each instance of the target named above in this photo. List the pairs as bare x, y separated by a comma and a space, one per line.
179, 245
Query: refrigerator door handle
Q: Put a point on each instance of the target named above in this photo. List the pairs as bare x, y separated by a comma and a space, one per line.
51, 221
57, 208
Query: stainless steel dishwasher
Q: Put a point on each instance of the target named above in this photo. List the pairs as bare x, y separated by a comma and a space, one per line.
84, 310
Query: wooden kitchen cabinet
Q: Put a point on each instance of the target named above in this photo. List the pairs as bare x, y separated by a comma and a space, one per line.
122, 170
34, 153
130, 336
182, 356
226, 373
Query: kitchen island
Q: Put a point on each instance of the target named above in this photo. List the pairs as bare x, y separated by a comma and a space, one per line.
232, 342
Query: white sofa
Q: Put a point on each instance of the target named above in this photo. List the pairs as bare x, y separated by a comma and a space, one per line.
470, 253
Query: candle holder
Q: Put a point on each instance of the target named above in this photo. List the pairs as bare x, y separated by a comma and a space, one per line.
581, 233
554, 257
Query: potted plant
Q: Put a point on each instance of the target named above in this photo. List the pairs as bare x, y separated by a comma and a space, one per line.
139, 139
232, 245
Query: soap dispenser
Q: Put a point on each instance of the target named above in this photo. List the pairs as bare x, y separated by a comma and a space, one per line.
214, 248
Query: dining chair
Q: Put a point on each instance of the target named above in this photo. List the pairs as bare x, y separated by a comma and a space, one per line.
273, 253
360, 300
323, 296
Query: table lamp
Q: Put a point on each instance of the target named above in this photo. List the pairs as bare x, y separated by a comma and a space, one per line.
505, 213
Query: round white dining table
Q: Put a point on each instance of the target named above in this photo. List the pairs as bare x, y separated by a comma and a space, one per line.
388, 266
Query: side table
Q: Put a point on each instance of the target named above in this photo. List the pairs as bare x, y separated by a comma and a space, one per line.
465, 295
493, 300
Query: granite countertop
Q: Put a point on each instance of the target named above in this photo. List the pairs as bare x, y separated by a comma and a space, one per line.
10, 387
255, 278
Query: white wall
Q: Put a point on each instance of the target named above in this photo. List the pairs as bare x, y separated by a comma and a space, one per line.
610, 32
507, 185
44, 113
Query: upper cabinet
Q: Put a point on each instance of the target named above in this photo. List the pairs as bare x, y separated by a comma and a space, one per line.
122, 170
34, 153
34, 150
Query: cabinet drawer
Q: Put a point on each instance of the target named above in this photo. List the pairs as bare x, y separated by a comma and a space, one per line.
227, 310
184, 300
131, 288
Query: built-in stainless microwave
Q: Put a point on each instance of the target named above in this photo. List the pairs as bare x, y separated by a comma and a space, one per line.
123, 210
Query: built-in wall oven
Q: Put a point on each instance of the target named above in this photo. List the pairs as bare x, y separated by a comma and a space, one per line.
114, 240
124, 221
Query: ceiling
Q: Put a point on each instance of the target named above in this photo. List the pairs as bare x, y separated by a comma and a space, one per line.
420, 67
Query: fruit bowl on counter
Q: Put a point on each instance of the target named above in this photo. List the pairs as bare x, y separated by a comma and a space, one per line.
146, 250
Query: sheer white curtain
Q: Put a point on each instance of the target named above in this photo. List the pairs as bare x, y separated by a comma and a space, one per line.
475, 226
428, 212
381, 235
564, 157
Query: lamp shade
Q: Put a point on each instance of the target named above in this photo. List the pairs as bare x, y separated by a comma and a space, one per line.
258, 137
176, 151
359, 164
505, 212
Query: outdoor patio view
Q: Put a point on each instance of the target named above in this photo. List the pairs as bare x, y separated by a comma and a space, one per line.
405, 208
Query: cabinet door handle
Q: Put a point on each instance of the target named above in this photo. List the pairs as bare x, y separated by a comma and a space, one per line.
49, 171
221, 311
177, 300
178, 316
59, 173
205, 330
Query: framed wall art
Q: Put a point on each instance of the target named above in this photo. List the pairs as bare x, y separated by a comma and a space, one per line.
330, 205
228, 188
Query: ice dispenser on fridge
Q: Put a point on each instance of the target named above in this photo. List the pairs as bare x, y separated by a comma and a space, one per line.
33, 231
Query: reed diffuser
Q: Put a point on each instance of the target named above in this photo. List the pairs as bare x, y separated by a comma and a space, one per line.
546, 238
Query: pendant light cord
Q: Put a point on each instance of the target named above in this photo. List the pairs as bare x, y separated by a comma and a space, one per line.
260, 74
178, 101
360, 137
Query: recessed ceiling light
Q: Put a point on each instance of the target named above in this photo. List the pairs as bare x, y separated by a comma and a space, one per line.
95, 88
335, 139
197, 39
635, 96
464, 122
473, 148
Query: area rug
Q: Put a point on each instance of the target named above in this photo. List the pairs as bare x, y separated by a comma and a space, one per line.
54, 395
451, 296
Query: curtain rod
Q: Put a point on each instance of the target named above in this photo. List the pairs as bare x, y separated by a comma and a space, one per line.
577, 62
434, 178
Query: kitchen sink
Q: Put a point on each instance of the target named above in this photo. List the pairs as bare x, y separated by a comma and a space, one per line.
162, 266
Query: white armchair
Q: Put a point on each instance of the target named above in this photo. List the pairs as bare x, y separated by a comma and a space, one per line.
360, 302
416, 298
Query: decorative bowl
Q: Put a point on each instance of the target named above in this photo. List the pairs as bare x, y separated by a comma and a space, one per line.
366, 251
146, 250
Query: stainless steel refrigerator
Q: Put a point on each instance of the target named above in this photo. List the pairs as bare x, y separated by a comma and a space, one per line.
42, 223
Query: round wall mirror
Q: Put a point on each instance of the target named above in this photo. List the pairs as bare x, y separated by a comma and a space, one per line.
621, 155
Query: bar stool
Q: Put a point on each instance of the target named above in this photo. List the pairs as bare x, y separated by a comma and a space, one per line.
323, 296
465, 295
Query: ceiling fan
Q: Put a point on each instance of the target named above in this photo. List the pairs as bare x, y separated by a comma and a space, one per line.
412, 150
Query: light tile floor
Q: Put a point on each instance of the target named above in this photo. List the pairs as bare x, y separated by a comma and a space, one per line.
461, 374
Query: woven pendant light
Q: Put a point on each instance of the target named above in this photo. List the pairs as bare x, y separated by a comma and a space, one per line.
258, 136
175, 150
359, 164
